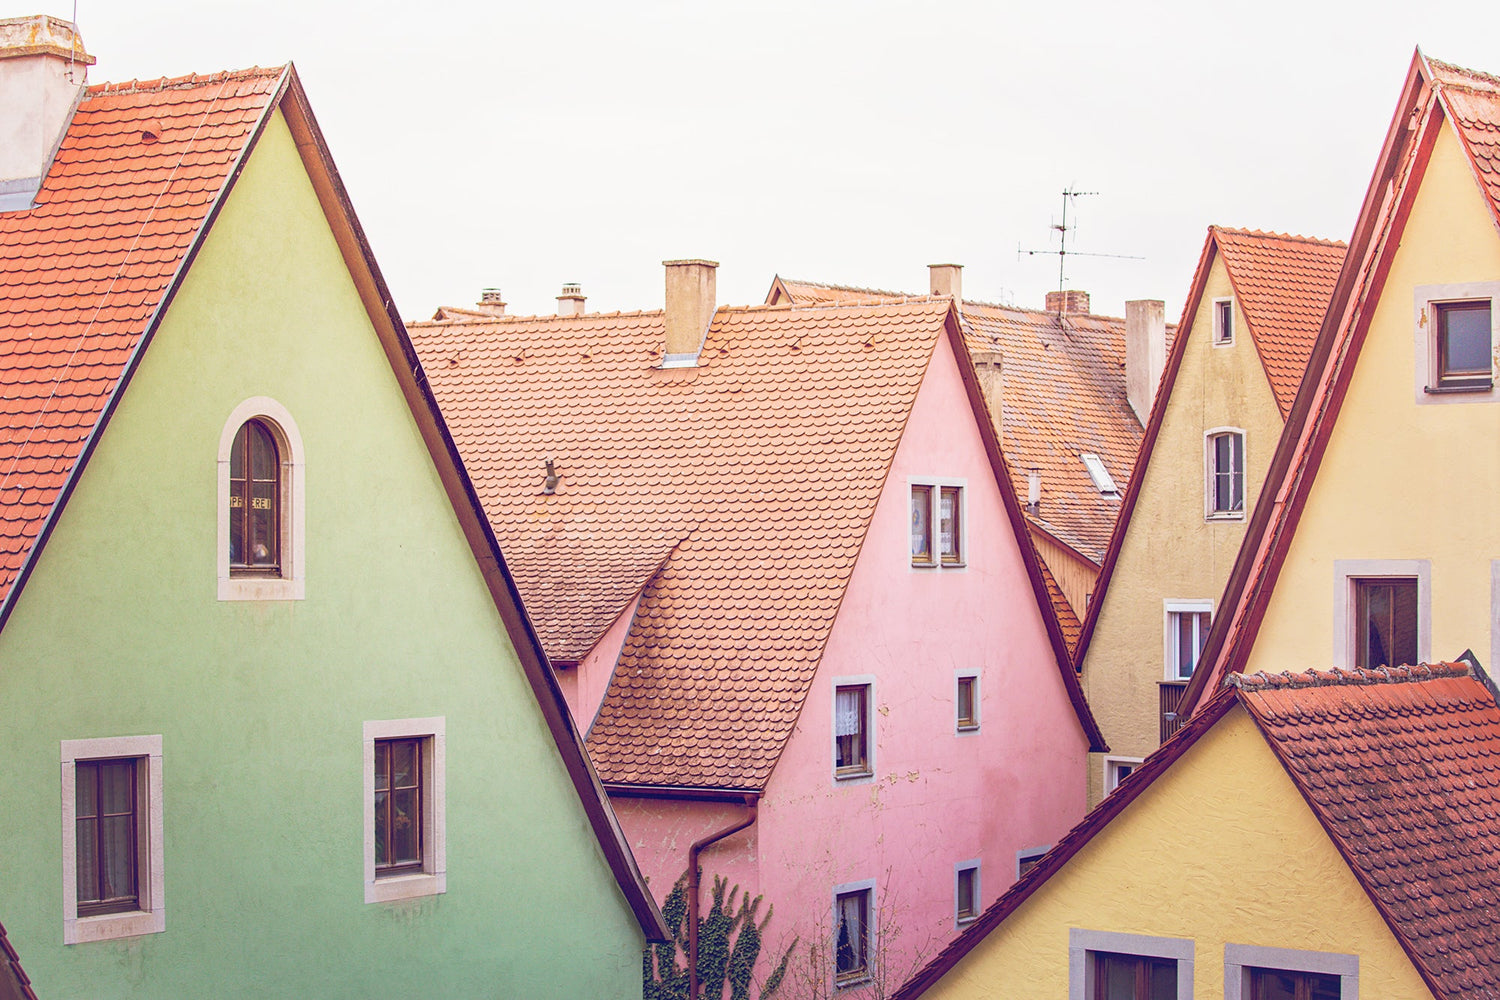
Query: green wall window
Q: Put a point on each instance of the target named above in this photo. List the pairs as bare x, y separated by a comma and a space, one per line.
254, 502
107, 820
398, 806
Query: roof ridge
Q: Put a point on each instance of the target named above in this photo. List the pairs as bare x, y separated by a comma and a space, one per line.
628, 314
1341, 677
182, 82
842, 288
1473, 74
1272, 235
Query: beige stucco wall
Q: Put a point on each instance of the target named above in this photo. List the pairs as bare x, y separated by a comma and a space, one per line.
1221, 849
1403, 481
1171, 549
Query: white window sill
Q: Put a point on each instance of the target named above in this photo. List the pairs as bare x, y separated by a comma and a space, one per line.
260, 588
108, 926
864, 978
384, 890
1225, 516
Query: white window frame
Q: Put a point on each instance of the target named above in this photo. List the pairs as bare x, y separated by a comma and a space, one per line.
872, 938
1209, 513
1424, 324
1112, 765
937, 484
151, 918
1222, 337
1178, 605
972, 865
1347, 571
866, 681
291, 585
432, 880
1239, 959
1082, 944
1026, 854
1099, 475
961, 728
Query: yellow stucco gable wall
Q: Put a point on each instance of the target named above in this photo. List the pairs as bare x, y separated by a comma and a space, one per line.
1221, 849
1400, 480
1171, 549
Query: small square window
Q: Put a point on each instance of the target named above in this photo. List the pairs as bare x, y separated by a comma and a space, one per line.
851, 743
1385, 622
1117, 769
966, 891
1462, 345
1226, 474
1029, 859
967, 703
1223, 322
921, 526
405, 805
851, 936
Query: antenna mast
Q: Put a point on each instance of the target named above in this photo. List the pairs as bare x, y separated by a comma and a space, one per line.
1063, 229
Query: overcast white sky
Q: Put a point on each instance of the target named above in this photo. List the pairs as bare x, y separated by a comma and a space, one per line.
524, 145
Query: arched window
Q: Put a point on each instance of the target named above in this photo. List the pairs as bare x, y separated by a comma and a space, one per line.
254, 502
261, 530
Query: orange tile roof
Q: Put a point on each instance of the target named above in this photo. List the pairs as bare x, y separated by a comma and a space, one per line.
1064, 396
87, 268
1283, 284
1402, 768
1472, 101
1067, 618
733, 497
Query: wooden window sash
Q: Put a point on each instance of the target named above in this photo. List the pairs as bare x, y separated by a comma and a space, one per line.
243, 504
1449, 377
89, 898
384, 812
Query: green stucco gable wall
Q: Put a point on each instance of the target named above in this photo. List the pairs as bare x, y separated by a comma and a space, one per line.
260, 705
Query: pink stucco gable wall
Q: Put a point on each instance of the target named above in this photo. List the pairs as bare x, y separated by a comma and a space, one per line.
938, 797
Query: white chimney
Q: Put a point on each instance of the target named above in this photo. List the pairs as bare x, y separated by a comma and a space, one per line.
492, 301
946, 279
1033, 491
43, 69
692, 290
570, 302
1145, 352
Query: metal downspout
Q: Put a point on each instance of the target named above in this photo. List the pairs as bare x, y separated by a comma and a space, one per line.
694, 876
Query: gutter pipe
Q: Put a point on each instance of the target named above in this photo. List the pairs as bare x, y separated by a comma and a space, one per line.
694, 878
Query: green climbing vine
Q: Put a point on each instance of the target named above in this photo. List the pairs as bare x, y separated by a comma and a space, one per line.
729, 943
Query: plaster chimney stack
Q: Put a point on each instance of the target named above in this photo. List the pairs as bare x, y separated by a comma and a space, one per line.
1145, 352
492, 301
692, 298
1034, 491
947, 279
988, 366
43, 69
570, 302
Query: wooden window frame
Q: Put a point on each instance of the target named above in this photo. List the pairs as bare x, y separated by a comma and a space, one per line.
966, 679
966, 871
85, 923
388, 883
863, 971
244, 440
933, 490
1241, 961
90, 771
1462, 380
864, 768
1084, 944
1223, 322
384, 867
288, 581
950, 556
1143, 965
929, 493
1363, 588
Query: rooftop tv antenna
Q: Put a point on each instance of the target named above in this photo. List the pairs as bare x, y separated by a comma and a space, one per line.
1063, 229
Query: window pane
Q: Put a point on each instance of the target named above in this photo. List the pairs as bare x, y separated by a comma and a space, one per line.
1386, 622
1118, 976
262, 452
1187, 644
117, 857
1403, 641
406, 820
948, 528
849, 722
1322, 986
921, 524
88, 859
1464, 344
116, 786
1236, 472
1268, 984
849, 936
86, 783
966, 715
966, 902
1163, 975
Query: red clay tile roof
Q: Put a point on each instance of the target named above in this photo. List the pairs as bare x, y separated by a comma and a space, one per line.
1402, 767
14, 984
1283, 284
1067, 618
86, 269
1472, 101
733, 496
1064, 395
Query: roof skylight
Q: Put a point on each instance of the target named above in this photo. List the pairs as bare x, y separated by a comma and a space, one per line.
1100, 475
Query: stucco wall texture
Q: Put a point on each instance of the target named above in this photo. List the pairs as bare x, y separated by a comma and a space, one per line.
1401, 480
1220, 850
260, 705
1172, 549
938, 797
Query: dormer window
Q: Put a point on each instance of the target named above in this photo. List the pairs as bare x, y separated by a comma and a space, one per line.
254, 502
1103, 482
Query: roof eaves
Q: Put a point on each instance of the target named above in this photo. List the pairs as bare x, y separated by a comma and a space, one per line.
477, 528
12, 967
1315, 408
158, 313
1072, 842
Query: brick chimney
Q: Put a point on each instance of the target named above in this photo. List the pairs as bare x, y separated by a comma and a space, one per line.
691, 301
1145, 352
946, 279
43, 68
1068, 303
570, 302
